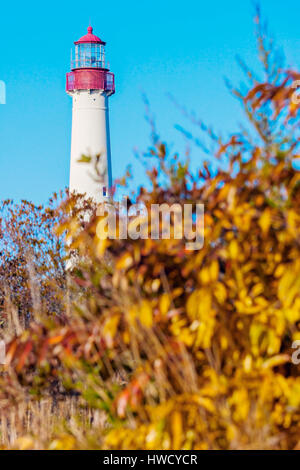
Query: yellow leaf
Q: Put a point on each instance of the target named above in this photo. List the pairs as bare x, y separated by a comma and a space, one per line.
66, 442
233, 249
146, 316
192, 305
220, 292
110, 329
279, 270
265, 221
204, 276
214, 270
24, 443
176, 421
101, 246
124, 262
206, 403
248, 363
164, 304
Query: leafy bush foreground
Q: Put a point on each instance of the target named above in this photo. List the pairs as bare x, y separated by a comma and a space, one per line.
182, 349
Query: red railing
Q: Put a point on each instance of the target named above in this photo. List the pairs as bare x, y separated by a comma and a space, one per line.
88, 79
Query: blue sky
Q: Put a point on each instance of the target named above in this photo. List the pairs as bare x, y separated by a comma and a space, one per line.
157, 47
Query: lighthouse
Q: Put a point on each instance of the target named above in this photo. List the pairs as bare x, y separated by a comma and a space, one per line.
90, 83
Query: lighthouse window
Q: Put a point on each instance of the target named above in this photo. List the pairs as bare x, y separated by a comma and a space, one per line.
89, 55
94, 57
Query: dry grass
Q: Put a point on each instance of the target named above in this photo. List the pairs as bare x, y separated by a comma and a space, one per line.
34, 423
40, 421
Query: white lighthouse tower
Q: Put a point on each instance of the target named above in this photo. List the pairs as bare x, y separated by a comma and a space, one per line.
90, 84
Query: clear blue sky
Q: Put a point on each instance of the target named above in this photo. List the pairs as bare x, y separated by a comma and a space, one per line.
160, 46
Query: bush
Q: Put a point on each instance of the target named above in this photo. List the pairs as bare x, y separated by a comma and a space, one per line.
189, 349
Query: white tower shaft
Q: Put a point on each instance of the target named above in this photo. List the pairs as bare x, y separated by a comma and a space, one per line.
90, 137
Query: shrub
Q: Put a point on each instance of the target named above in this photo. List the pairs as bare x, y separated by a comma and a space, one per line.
190, 349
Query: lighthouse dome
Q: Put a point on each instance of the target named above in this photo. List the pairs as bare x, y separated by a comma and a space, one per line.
90, 38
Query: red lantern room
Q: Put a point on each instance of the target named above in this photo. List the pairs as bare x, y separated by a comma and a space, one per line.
89, 69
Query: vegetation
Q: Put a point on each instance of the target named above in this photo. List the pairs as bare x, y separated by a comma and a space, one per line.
162, 347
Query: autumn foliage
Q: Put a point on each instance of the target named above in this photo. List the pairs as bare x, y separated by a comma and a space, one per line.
186, 349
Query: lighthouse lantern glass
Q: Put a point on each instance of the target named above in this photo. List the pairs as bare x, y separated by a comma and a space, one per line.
89, 55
